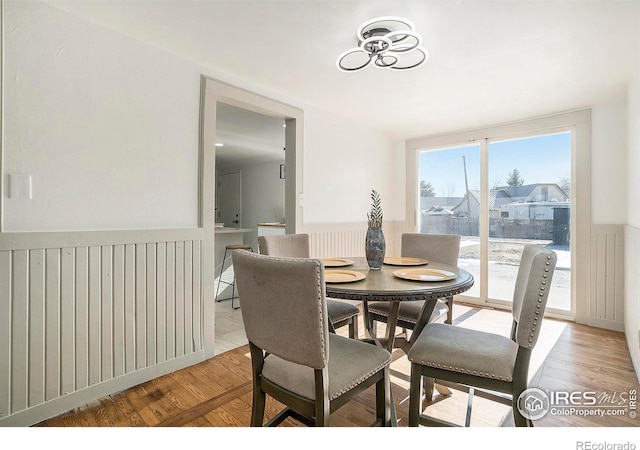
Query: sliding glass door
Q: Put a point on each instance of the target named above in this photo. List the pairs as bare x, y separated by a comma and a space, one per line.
500, 194
529, 203
449, 200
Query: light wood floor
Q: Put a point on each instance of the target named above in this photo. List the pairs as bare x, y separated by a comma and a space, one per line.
217, 392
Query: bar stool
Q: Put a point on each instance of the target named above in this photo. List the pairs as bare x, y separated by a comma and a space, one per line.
228, 249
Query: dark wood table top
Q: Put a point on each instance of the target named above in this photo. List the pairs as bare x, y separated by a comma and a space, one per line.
383, 285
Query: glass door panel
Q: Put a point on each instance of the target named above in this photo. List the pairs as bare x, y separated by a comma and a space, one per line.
449, 201
529, 202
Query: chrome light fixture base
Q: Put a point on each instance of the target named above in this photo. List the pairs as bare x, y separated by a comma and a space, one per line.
387, 42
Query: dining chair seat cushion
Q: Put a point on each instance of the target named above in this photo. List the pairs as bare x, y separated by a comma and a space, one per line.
338, 310
350, 363
408, 311
466, 351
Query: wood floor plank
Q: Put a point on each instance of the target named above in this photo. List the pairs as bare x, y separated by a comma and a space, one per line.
226, 416
84, 415
133, 417
217, 392
107, 414
203, 408
147, 405
239, 410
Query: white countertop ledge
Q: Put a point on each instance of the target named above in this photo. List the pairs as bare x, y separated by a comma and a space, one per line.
228, 230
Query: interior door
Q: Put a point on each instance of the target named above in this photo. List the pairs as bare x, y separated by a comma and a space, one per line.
229, 202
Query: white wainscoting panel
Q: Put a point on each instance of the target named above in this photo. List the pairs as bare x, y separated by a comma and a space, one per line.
346, 240
77, 317
337, 243
606, 307
632, 293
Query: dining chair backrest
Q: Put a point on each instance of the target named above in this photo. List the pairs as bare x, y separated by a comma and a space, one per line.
442, 248
290, 245
531, 292
283, 306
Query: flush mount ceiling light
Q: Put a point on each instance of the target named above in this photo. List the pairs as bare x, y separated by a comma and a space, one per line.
388, 42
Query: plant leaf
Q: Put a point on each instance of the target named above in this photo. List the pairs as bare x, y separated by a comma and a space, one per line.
374, 216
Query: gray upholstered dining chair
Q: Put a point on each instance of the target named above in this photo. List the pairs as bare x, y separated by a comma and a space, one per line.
294, 358
472, 359
442, 248
341, 313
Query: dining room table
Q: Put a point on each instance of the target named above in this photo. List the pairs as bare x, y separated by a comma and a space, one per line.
398, 280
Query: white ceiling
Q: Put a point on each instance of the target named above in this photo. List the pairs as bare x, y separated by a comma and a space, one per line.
490, 61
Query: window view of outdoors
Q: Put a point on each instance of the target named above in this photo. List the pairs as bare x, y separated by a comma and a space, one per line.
529, 202
445, 177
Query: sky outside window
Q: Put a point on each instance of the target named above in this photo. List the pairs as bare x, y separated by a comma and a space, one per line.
539, 159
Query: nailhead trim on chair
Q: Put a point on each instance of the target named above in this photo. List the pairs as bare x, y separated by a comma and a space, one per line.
361, 379
539, 305
461, 370
324, 344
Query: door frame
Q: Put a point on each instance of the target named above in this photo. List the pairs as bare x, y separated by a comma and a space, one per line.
212, 92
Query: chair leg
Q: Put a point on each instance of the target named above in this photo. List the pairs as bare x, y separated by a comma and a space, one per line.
258, 406
467, 419
233, 293
429, 386
224, 258
383, 399
519, 385
415, 395
323, 410
449, 302
232, 284
518, 418
353, 328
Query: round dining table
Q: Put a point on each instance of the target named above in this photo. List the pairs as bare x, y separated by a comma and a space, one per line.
395, 282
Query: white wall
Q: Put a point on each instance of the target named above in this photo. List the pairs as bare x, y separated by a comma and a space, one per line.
106, 127
343, 162
262, 198
609, 163
632, 230
633, 163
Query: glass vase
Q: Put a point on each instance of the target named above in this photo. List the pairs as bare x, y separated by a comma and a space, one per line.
374, 247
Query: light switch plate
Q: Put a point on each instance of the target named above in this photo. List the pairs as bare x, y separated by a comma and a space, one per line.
20, 185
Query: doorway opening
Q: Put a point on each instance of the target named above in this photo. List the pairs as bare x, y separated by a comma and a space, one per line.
216, 95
